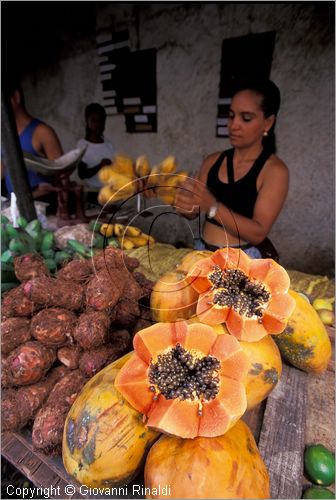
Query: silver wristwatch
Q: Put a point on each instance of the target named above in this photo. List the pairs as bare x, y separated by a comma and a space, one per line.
212, 212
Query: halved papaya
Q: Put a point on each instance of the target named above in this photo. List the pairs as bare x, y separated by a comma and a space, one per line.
250, 296
187, 379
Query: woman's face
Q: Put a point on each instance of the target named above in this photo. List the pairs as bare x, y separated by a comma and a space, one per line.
247, 122
96, 123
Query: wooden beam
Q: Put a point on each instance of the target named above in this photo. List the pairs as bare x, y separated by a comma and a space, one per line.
13, 160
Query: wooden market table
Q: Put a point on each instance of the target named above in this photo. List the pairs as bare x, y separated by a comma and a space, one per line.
299, 411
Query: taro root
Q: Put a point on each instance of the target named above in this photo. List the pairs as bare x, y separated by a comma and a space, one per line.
29, 266
14, 332
133, 290
76, 270
28, 363
18, 407
146, 284
121, 342
48, 429
105, 289
10, 417
15, 303
69, 356
94, 360
126, 313
92, 329
186, 378
114, 258
53, 327
140, 325
49, 422
51, 292
249, 295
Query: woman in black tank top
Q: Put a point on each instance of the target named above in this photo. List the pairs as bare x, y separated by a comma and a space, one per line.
241, 190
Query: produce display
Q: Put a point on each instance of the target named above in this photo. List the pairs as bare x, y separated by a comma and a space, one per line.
209, 337
124, 178
59, 330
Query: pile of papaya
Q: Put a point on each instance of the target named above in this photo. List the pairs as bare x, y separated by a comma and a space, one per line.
124, 178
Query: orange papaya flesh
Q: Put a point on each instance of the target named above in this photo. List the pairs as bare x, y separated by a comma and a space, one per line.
189, 383
227, 466
250, 296
305, 342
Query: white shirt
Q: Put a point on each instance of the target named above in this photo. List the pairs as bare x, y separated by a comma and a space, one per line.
93, 155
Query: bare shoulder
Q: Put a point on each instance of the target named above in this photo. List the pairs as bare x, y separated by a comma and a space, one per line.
210, 160
44, 130
276, 167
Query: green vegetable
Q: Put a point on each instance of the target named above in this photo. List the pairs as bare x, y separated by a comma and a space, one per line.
4, 219
47, 241
18, 246
7, 257
316, 492
12, 231
319, 464
8, 275
51, 264
62, 256
98, 241
22, 222
113, 242
7, 286
48, 254
94, 225
79, 247
33, 228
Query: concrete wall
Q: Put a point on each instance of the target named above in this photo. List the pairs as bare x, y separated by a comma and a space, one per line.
188, 39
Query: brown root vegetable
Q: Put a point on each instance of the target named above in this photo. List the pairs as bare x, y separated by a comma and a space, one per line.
76, 270
51, 292
69, 356
29, 266
91, 362
105, 289
53, 327
146, 284
28, 363
10, 417
146, 313
18, 407
114, 258
126, 314
92, 329
15, 303
133, 290
14, 332
121, 341
47, 432
140, 325
6, 380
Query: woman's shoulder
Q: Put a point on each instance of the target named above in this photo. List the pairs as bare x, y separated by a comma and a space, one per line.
275, 163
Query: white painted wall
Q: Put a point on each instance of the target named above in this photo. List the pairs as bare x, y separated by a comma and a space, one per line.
188, 38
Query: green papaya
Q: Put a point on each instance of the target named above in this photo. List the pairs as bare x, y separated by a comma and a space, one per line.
7, 257
22, 222
62, 256
51, 264
48, 241
33, 228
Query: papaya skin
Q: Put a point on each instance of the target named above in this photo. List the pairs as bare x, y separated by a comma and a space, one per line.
305, 342
264, 370
228, 466
105, 441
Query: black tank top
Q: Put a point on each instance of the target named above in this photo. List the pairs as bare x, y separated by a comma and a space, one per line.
239, 196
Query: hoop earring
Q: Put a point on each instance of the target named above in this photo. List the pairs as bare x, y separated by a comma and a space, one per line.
265, 134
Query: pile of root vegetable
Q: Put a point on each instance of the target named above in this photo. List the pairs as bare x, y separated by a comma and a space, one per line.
59, 330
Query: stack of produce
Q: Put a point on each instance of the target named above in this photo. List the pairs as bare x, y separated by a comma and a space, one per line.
125, 178
319, 468
59, 331
190, 379
120, 236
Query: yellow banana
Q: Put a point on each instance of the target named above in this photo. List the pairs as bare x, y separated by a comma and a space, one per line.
168, 198
123, 165
119, 181
168, 165
142, 167
139, 241
125, 243
155, 177
105, 195
106, 230
132, 231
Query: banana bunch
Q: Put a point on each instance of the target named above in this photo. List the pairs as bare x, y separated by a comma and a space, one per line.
128, 236
119, 178
162, 178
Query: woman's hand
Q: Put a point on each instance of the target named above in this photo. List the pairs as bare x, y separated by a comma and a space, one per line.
193, 196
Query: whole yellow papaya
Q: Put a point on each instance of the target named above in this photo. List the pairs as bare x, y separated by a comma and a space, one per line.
105, 441
305, 342
227, 466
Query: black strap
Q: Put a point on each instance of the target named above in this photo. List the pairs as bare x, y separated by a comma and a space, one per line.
255, 169
229, 166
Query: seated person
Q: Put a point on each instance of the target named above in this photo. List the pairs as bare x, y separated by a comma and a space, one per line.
38, 139
99, 150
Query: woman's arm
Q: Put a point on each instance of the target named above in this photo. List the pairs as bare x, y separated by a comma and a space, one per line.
271, 197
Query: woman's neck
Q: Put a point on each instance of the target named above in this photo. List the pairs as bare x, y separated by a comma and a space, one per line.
248, 153
94, 139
